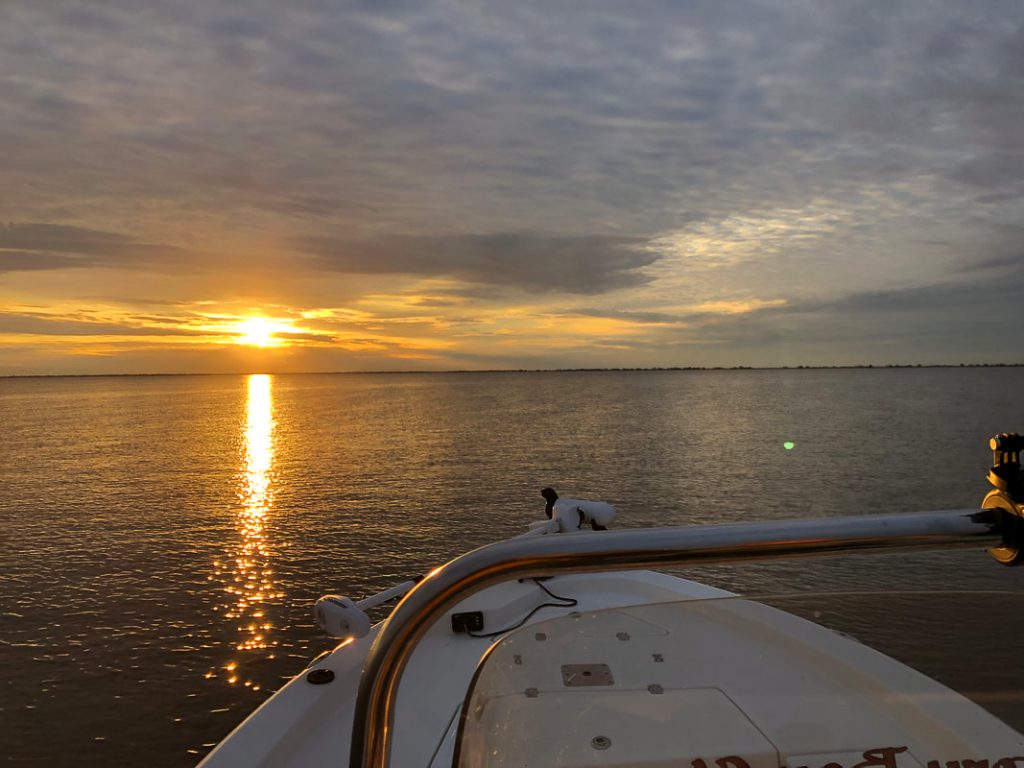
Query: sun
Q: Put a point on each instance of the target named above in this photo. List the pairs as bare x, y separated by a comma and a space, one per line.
256, 331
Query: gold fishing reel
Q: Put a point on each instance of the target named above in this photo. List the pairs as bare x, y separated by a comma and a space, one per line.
1007, 496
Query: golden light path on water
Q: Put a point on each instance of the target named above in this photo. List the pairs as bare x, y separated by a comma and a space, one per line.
248, 571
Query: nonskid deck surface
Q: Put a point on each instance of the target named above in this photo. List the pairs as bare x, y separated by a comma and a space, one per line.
645, 670
731, 683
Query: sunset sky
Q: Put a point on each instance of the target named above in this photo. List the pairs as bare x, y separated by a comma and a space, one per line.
212, 185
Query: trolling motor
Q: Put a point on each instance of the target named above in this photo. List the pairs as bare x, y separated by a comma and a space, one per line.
573, 514
1008, 495
341, 617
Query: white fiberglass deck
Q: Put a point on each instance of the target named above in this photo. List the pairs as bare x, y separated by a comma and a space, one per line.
310, 725
682, 673
723, 682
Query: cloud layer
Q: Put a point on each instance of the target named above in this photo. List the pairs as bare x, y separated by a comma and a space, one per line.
35, 246
592, 264
555, 182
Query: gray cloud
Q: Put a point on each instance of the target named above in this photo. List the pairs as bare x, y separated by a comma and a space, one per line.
48, 325
1011, 261
435, 303
537, 118
539, 115
948, 303
33, 246
950, 321
25, 261
530, 262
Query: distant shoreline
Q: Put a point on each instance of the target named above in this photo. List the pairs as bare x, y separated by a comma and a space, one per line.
522, 370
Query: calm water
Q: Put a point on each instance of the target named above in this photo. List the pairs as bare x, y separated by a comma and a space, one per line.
163, 539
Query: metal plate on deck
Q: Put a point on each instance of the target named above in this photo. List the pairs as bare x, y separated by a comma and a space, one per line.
574, 675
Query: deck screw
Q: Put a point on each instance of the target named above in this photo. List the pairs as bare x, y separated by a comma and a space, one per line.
600, 742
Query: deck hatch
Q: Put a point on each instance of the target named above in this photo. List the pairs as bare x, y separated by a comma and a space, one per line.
574, 675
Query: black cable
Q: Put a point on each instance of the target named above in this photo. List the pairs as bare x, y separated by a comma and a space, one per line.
567, 602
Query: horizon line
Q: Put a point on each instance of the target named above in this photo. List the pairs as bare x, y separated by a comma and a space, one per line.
611, 369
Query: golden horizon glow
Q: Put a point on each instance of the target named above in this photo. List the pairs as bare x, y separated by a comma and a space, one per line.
736, 307
378, 330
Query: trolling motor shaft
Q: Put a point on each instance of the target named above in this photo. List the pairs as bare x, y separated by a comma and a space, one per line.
1007, 496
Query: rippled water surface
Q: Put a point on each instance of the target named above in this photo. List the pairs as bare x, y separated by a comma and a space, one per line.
163, 538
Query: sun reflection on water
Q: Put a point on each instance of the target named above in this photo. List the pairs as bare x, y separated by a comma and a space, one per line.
247, 570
